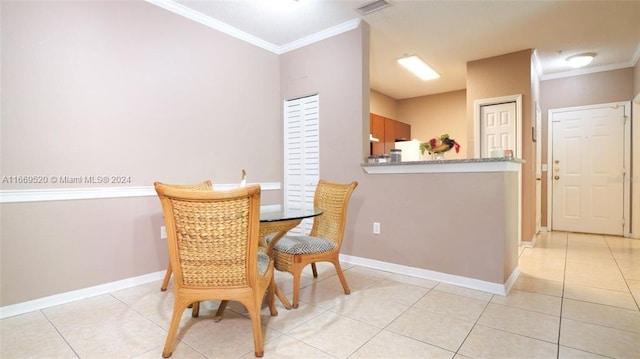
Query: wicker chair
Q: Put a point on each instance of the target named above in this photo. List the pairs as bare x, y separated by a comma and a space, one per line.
293, 253
202, 186
213, 247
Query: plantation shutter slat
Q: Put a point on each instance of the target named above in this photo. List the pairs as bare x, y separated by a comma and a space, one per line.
301, 155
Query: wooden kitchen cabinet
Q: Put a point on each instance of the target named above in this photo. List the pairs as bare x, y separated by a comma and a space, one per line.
403, 131
388, 131
377, 131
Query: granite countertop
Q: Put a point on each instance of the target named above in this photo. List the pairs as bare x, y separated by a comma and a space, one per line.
456, 161
501, 164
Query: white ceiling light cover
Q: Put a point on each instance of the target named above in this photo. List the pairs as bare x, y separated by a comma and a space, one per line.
581, 60
418, 67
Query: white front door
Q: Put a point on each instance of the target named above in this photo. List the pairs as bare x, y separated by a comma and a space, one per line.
498, 128
587, 170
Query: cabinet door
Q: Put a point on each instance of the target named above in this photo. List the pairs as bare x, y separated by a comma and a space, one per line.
387, 131
389, 135
403, 131
377, 131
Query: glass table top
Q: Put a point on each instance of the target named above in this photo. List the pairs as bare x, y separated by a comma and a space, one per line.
289, 214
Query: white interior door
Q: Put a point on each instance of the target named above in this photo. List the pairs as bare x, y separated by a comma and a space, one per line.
588, 170
498, 129
301, 155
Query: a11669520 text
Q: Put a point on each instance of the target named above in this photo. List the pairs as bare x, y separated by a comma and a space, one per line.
66, 179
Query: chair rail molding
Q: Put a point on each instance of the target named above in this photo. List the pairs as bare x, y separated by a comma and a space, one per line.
65, 194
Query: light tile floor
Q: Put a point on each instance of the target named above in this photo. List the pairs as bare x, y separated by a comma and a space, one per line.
577, 297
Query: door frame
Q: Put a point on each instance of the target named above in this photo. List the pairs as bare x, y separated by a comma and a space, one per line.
478, 104
538, 168
635, 174
626, 211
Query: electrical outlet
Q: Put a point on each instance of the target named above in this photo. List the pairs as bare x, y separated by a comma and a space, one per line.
163, 232
376, 227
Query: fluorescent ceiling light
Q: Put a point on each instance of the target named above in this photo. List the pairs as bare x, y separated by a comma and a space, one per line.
418, 67
581, 60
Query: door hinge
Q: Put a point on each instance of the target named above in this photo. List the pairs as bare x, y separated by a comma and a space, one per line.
623, 222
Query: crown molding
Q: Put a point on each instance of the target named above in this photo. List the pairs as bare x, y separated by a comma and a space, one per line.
213, 23
586, 71
241, 35
322, 35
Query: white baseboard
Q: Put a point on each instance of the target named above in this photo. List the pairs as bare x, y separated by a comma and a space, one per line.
68, 297
471, 283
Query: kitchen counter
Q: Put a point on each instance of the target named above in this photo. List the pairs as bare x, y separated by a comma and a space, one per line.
443, 166
458, 220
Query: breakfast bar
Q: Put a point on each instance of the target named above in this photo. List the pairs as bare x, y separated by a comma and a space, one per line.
457, 220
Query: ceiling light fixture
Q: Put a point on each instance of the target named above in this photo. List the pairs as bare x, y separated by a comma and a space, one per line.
581, 60
418, 67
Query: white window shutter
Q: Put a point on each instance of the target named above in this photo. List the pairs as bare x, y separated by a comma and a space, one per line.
301, 155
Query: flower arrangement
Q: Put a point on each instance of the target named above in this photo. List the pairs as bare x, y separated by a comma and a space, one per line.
439, 145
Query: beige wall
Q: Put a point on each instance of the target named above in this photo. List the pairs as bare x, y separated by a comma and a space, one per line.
383, 105
416, 212
445, 222
120, 88
591, 89
146, 93
186, 113
431, 116
343, 88
506, 75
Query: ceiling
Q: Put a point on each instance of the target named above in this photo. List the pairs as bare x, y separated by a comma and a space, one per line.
446, 34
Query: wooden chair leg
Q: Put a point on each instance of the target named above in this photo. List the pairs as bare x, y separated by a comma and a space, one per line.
195, 311
258, 341
221, 308
314, 270
343, 280
271, 298
178, 309
296, 288
167, 276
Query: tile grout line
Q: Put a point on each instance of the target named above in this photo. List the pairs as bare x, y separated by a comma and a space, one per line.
622, 273
60, 334
564, 280
475, 324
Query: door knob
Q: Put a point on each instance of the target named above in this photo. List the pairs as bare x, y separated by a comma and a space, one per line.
556, 177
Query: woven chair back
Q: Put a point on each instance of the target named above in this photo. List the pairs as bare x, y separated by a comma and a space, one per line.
213, 235
333, 198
